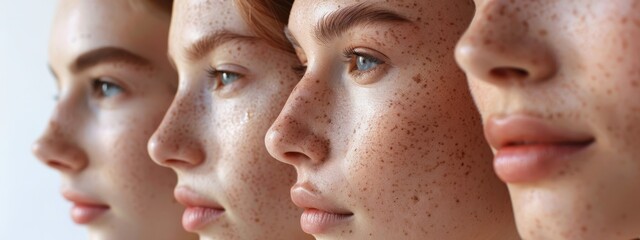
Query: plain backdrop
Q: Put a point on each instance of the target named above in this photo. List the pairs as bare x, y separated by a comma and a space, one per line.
31, 206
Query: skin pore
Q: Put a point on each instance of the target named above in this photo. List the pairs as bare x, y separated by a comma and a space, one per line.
114, 86
381, 130
232, 86
568, 71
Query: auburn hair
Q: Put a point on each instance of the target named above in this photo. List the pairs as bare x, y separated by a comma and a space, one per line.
267, 19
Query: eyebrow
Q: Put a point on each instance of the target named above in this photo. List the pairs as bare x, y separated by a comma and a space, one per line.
107, 55
210, 42
336, 23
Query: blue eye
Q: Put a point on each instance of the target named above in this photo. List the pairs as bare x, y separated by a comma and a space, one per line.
105, 88
228, 77
222, 78
365, 63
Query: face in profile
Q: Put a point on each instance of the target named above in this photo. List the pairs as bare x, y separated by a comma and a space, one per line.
558, 87
113, 89
232, 86
381, 129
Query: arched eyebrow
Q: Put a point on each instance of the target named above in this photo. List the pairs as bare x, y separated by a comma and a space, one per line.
336, 23
107, 55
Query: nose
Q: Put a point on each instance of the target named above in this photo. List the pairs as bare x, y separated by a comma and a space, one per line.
58, 147
295, 137
501, 46
177, 143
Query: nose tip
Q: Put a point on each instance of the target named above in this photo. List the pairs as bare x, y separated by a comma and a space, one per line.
527, 64
59, 156
171, 152
499, 49
290, 142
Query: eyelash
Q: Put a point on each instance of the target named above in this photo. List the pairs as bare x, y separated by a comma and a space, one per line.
215, 75
98, 85
350, 54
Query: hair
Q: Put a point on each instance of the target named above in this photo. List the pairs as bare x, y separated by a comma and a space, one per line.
268, 18
162, 6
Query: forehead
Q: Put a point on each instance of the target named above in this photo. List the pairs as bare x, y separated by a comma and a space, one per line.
83, 25
193, 19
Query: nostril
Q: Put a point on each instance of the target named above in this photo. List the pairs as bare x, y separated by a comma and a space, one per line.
176, 163
509, 73
58, 165
294, 156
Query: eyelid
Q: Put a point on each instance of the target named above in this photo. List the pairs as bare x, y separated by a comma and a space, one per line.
369, 76
365, 52
99, 95
229, 90
233, 68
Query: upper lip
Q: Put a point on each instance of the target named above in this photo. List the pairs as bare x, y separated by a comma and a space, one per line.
521, 129
190, 198
81, 198
304, 196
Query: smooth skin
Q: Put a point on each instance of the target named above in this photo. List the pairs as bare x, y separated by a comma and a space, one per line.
114, 86
573, 66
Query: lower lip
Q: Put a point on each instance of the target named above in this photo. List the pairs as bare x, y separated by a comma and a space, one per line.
195, 218
314, 221
84, 214
529, 163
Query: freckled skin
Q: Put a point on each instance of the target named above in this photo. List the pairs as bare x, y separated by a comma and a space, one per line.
583, 76
401, 147
214, 137
98, 143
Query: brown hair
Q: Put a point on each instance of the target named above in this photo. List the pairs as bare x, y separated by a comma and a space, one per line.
268, 18
163, 6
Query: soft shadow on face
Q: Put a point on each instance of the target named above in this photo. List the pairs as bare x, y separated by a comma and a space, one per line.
558, 86
114, 87
232, 86
382, 130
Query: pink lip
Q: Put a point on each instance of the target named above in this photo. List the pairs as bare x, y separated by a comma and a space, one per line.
529, 149
199, 211
85, 209
319, 215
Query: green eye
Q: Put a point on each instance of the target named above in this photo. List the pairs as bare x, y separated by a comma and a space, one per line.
105, 88
365, 63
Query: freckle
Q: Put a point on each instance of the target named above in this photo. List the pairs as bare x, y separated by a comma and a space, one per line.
543, 32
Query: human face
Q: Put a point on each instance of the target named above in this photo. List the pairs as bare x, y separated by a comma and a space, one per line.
114, 87
558, 87
232, 86
381, 130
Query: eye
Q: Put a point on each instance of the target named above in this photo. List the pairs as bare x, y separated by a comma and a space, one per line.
105, 88
360, 62
223, 78
366, 63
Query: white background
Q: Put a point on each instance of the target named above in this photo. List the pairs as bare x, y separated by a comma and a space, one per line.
30, 203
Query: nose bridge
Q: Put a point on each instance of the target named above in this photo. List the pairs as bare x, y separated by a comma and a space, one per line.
60, 145
178, 139
505, 42
298, 133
